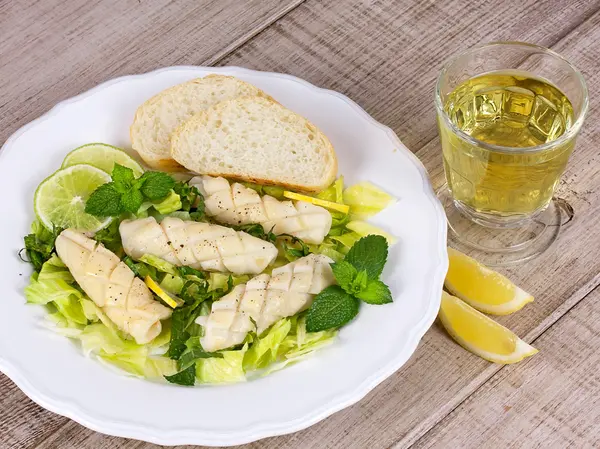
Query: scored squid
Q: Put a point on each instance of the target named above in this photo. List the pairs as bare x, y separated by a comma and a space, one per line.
264, 300
236, 204
112, 285
203, 246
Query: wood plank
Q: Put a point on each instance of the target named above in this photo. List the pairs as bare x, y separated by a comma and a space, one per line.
337, 47
52, 50
386, 55
549, 401
410, 403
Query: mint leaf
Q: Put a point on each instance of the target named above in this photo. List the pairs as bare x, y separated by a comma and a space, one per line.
122, 175
156, 185
375, 293
359, 283
105, 201
344, 273
186, 377
369, 254
332, 308
131, 200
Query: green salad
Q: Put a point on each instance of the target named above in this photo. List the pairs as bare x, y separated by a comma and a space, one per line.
99, 186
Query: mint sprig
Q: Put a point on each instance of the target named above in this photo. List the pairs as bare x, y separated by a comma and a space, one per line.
125, 193
358, 280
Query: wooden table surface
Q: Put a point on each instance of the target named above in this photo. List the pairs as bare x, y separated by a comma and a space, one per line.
385, 55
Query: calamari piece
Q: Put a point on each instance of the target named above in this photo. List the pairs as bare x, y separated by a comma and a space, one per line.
235, 204
264, 300
203, 246
114, 288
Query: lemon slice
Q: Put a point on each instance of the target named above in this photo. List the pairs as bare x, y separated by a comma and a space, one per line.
482, 288
481, 335
171, 300
102, 156
343, 208
60, 199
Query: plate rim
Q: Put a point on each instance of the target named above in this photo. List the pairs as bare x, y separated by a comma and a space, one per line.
85, 417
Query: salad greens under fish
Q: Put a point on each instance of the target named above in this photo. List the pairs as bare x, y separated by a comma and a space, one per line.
358, 249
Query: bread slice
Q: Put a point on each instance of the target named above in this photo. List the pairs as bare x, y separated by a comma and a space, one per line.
256, 139
156, 119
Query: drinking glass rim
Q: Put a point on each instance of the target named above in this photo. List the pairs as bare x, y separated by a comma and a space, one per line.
571, 132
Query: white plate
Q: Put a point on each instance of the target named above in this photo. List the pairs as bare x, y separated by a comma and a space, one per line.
51, 370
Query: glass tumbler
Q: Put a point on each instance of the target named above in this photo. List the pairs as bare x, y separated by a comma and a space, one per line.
508, 114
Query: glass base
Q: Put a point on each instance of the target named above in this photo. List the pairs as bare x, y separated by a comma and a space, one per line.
502, 246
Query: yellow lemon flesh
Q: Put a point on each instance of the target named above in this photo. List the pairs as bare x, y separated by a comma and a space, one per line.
482, 288
172, 301
481, 335
317, 201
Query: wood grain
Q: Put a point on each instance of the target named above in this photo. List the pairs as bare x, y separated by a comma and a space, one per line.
53, 50
412, 402
552, 400
385, 55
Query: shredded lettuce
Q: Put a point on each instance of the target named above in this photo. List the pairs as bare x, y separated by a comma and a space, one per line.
74, 315
181, 214
226, 369
345, 241
274, 191
110, 237
159, 264
264, 350
334, 192
140, 360
178, 347
172, 284
219, 280
53, 283
170, 204
363, 228
366, 200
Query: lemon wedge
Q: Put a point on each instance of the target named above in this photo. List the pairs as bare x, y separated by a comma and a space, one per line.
481, 335
171, 300
343, 208
482, 288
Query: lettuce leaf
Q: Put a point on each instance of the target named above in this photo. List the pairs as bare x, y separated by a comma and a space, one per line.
75, 316
334, 192
284, 344
226, 369
50, 290
346, 241
172, 284
363, 229
140, 360
170, 204
158, 263
366, 200
264, 350
218, 281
